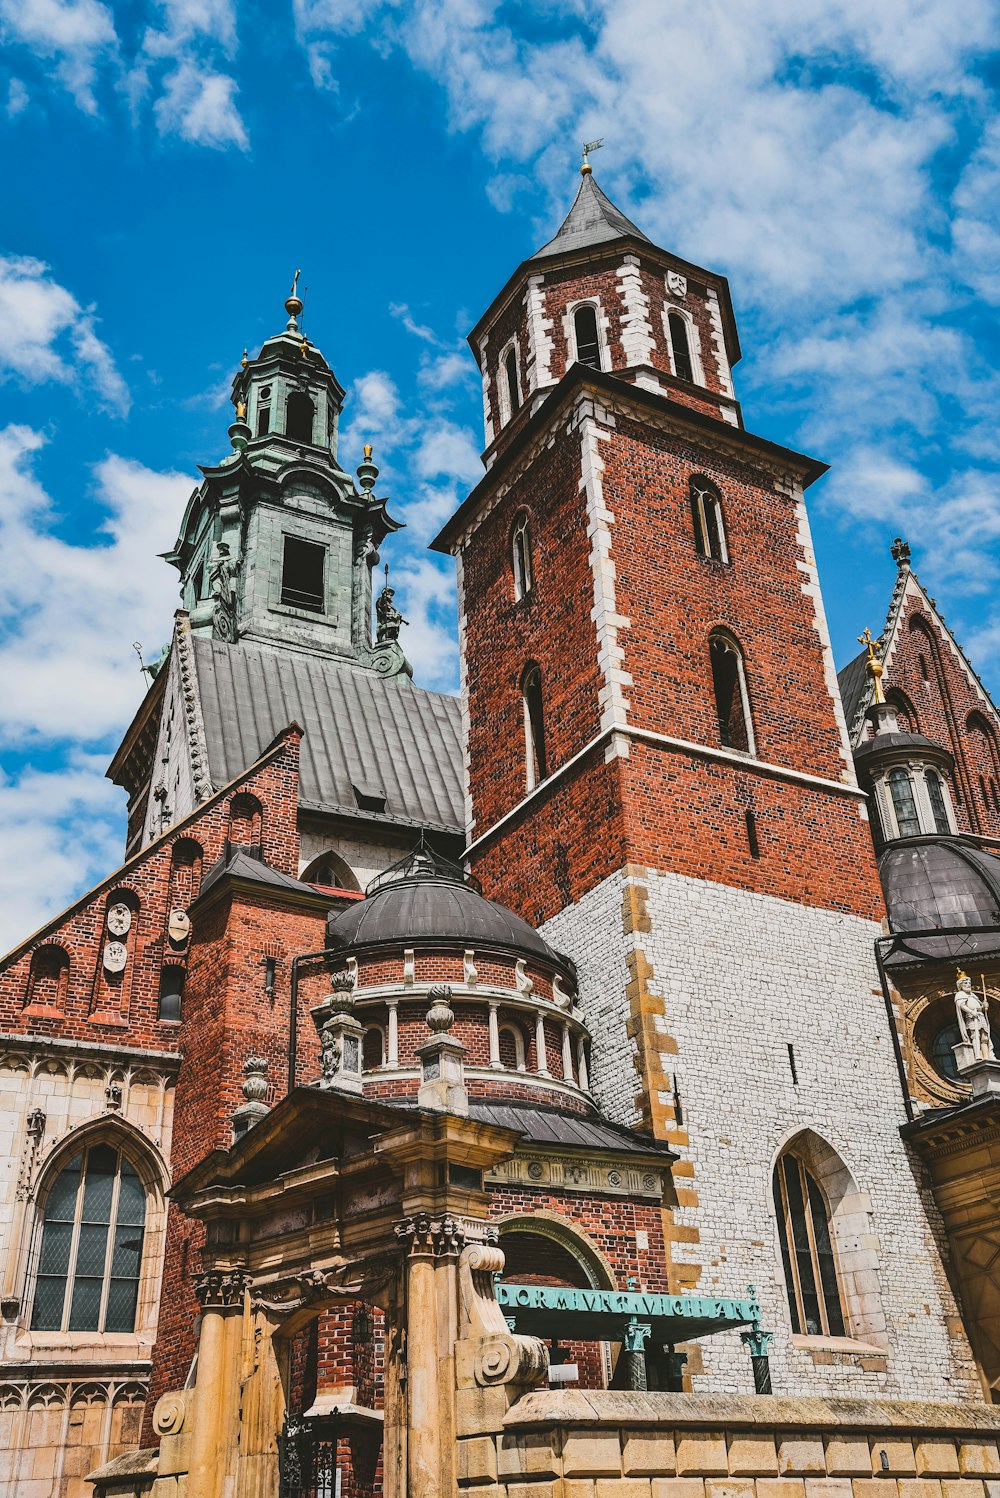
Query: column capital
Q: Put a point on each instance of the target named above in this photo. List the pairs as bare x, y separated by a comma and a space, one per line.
221, 1289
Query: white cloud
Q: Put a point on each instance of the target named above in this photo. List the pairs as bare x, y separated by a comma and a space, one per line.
46, 335
419, 330
18, 98
199, 105
447, 370
69, 612
79, 34
975, 232
425, 592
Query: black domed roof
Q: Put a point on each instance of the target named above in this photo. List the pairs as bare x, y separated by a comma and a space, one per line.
930, 883
426, 899
898, 740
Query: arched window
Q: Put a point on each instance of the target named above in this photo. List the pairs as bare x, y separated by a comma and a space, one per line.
299, 415
513, 1052
588, 344
513, 385
903, 803
246, 817
732, 702
706, 512
331, 870
264, 412
807, 1257
520, 556
91, 1248
935, 794
680, 348
48, 977
534, 726
373, 1048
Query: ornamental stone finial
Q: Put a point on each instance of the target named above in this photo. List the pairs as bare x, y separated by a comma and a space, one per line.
900, 552
440, 1016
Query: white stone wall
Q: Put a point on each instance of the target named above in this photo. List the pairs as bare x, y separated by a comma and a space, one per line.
741, 976
364, 856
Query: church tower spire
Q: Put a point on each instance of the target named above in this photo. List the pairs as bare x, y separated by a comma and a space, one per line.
278, 542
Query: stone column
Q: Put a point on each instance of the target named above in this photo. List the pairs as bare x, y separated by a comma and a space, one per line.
215, 1411
431, 1273
392, 1034
494, 1034
541, 1059
567, 1054
581, 1064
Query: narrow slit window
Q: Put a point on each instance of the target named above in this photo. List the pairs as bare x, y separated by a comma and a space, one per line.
520, 547
903, 803
91, 1250
302, 575
513, 387
935, 794
752, 838
731, 699
588, 345
171, 991
680, 347
534, 727
264, 417
807, 1256
706, 514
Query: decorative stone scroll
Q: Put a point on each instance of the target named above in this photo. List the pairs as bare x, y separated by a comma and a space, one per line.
499, 1357
423, 1234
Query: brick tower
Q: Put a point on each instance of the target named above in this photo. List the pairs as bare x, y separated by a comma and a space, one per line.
659, 776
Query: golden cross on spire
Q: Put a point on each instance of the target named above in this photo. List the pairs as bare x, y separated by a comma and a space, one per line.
874, 663
590, 145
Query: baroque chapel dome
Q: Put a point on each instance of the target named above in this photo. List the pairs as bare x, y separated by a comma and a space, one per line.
426, 899
932, 883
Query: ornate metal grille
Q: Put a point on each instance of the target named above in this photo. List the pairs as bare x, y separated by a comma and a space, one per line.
307, 1458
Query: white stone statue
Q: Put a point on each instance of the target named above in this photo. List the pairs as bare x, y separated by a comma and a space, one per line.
973, 1019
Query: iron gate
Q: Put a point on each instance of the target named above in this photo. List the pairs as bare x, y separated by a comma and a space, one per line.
307, 1457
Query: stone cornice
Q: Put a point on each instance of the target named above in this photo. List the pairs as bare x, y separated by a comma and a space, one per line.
11, 1040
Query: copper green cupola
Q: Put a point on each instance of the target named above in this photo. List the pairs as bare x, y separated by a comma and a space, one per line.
278, 543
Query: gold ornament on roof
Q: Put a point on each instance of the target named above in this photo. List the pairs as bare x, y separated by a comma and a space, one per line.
874, 664
368, 452
293, 302
244, 361
241, 410
591, 145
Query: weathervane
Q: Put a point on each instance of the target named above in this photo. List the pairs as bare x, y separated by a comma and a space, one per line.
590, 145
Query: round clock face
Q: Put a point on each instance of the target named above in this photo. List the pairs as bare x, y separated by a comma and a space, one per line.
115, 956
119, 919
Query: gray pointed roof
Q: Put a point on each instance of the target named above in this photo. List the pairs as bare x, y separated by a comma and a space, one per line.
592, 220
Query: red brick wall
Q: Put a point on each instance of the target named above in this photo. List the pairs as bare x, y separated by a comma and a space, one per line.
949, 710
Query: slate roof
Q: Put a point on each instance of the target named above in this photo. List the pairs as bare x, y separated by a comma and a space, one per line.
853, 681
242, 866
592, 220
573, 1130
383, 737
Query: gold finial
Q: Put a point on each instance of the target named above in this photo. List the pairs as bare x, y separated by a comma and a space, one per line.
875, 666
368, 452
293, 302
244, 361
591, 145
241, 410
304, 347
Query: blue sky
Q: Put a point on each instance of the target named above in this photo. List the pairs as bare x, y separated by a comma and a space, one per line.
167, 166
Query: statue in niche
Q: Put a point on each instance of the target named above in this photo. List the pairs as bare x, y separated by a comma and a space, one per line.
389, 617
222, 580
973, 1019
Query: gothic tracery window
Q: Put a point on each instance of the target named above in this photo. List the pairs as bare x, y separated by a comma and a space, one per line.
732, 702
807, 1256
588, 344
706, 514
91, 1248
520, 555
534, 727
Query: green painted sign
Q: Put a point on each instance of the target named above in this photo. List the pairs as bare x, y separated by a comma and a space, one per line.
607, 1315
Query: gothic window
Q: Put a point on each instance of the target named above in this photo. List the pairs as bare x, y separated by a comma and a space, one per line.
732, 702
91, 1248
302, 575
903, 803
171, 991
331, 870
48, 977
935, 794
807, 1257
299, 415
520, 551
513, 387
680, 348
588, 344
534, 726
706, 512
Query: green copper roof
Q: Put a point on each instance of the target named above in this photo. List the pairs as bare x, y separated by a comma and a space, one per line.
592, 220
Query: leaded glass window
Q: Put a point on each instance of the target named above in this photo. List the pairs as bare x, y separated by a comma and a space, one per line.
91, 1250
520, 547
807, 1255
903, 803
935, 795
706, 514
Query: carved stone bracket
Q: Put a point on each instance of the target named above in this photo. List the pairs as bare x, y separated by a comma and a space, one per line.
499, 1357
221, 1289
423, 1234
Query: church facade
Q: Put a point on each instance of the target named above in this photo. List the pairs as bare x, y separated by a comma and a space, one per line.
530, 1091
